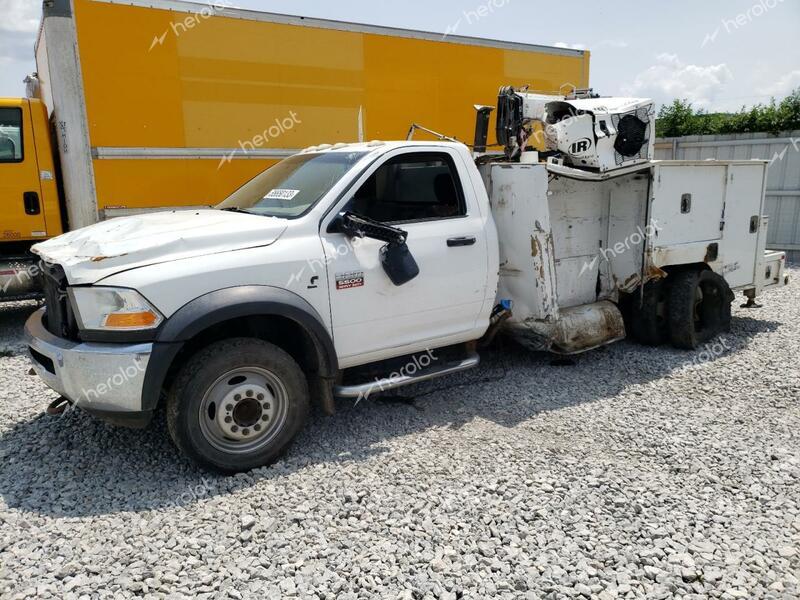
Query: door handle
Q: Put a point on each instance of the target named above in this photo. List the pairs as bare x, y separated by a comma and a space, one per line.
31, 202
461, 241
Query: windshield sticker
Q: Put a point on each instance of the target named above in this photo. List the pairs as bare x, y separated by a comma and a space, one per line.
346, 281
282, 194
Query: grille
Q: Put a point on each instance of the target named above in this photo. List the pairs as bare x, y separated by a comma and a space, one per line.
59, 318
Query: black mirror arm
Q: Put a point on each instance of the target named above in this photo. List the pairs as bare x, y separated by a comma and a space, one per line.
359, 226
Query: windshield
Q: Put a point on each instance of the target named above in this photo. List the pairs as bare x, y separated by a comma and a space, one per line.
293, 186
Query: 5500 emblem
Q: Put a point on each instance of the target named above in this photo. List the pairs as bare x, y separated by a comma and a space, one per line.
346, 281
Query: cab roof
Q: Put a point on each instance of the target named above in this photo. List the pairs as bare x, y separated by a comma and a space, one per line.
376, 144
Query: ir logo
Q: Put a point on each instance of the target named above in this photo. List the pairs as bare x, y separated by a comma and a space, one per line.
580, 146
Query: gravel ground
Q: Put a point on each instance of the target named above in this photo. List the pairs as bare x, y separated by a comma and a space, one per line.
637, 472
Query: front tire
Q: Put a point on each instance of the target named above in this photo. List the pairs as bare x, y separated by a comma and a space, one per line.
699, 308
237, 405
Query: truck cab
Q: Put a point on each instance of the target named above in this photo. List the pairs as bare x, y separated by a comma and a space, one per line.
28, 192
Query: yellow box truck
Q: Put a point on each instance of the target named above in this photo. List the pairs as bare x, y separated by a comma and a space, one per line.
142, 105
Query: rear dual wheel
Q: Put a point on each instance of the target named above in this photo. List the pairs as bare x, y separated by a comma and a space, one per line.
648, 322
688, 309
699, 308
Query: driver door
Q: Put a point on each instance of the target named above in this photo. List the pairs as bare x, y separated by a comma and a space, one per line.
421, 193
20, 185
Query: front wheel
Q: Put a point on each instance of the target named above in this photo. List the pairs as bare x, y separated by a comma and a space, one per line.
237, 405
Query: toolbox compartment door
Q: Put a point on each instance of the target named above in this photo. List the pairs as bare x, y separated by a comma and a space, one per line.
710, 212
688, 203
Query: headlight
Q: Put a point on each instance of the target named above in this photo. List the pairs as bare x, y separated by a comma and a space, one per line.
113, 309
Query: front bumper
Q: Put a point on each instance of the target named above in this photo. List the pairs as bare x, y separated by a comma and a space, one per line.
103, 379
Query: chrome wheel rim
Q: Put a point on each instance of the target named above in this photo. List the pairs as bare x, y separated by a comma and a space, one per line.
243, 410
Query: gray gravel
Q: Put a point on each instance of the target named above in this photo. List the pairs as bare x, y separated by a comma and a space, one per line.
637, 472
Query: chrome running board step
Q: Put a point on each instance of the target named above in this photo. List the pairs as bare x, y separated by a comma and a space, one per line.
398, 380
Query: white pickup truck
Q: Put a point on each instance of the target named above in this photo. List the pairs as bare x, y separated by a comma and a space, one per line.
351, 269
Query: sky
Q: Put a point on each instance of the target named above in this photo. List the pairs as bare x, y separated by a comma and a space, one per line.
718, 54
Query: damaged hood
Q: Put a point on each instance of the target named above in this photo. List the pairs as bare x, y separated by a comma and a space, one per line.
101, 250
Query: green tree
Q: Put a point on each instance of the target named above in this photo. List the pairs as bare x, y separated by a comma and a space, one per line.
681, 118
675, 120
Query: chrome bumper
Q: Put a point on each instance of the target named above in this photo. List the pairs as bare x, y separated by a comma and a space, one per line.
95, 377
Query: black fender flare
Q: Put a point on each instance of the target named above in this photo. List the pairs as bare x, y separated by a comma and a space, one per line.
224, 305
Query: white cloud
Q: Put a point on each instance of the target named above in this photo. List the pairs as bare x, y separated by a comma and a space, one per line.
785, 85
18, 29
570, 46
21, 16
669, 79
16, 46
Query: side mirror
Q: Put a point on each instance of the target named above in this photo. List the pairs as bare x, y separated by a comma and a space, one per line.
398, 263
396, 259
